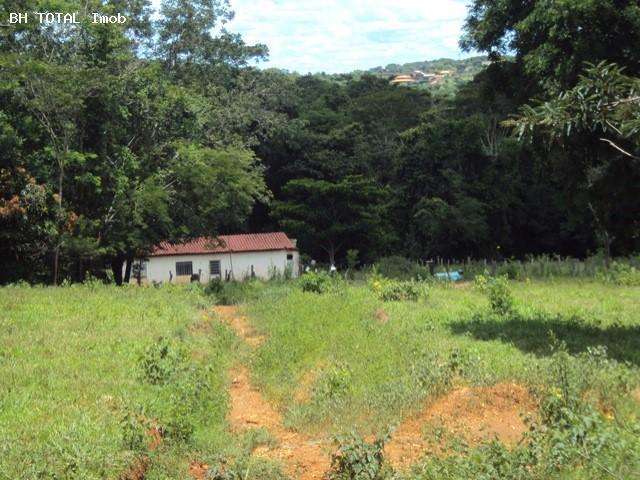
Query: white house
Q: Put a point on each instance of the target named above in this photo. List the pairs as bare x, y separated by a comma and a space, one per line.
227, 257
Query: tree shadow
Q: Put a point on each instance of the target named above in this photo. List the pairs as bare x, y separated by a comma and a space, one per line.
532, 334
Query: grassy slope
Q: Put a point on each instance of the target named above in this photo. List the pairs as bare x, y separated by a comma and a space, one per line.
69, 374
70, 369
369, 373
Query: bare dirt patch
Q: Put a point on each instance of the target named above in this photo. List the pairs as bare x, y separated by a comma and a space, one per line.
198, 470
239, 324
381, 316
472, 414
636, 395
137, 471
302, 457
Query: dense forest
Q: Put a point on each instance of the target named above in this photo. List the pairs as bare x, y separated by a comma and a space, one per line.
115, 137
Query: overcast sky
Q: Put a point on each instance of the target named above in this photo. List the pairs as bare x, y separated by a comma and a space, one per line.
344, 35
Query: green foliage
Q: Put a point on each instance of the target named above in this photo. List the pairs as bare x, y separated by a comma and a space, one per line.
356, 459
243, 468
116, 363
333, 384
326, 214
549, 49
603, 102
317, 282
161, 361
398, 291
401, 268
621, 274
497, 291
389, 290
233, 292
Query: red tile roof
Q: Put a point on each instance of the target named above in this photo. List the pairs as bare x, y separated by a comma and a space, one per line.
251, 242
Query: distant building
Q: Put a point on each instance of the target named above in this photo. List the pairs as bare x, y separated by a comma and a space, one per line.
227, 257
418, 77
403, 80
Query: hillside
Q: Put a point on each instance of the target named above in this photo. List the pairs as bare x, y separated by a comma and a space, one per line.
462, 70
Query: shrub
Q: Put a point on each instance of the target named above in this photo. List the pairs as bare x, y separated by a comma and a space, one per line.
243, 468
389, 290
401, 268
233, 292
621, 274
133, 432
358, 460
316, 282
497, 291
511, 270
160, 361
333, 383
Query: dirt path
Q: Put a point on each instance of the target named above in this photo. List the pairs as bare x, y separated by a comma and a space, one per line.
471, 414
239, 324
303, 458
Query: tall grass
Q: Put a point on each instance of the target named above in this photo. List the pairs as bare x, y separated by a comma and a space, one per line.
372, 361
74, 400
533, 267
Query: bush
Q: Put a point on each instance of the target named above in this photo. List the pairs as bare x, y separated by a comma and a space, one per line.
243, 468
622, 274
497, 291
389, 290
160, 361
233, 292
401, 268
316, 282
333, 384
358, 460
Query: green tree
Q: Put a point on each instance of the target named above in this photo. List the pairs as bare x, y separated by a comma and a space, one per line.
332, 216
552, 39
604, 109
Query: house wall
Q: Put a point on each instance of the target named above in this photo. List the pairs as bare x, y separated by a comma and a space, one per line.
264, 263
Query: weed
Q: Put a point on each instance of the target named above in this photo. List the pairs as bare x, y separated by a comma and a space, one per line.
389, 290
356, 459
233, 292
497, 291
161, 360
320, 282
244, 468
621, 274
400, 268
133, 432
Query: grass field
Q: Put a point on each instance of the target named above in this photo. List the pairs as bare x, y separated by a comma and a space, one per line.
106, 382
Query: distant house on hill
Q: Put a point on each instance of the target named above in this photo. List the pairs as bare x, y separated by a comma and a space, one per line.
227, 257
403, 80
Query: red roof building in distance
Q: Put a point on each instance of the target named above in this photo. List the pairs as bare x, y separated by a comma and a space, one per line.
249, 242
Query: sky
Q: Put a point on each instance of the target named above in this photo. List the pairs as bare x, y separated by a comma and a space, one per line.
336, 36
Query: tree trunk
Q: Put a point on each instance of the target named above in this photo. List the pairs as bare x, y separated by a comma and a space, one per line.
56, 255
116, 266
127, 272
332, 256
56, 263
607, 249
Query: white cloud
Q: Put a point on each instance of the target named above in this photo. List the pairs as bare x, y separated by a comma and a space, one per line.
343, 35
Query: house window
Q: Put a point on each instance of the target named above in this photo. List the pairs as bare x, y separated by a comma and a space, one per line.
289, 256
214, 267
184, 268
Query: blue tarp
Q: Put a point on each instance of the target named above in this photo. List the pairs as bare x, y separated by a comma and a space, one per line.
452, 276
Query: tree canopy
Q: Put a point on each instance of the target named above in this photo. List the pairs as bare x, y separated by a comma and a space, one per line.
116, 137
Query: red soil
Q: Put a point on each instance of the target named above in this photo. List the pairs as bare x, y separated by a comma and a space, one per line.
472, 414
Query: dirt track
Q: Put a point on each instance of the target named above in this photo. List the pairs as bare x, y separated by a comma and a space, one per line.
472, 414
